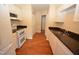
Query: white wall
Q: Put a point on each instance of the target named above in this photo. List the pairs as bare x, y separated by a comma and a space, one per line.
50, 17
33, 18
37, 20
27, 20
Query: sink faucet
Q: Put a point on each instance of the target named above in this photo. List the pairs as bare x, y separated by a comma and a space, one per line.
66, 32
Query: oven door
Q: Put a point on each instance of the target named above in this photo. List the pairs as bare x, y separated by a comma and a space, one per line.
21, 37
20, 33
21, 41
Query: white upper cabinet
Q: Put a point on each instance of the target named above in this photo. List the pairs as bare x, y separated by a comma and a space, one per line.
15, 10
60, 16
19, 13
55, 14
76, 16
12, 8
66, 7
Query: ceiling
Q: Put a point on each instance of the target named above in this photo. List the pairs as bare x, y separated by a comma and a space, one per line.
20, 5
35, 7
40, 7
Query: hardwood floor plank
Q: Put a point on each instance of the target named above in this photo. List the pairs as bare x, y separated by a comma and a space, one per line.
37, 46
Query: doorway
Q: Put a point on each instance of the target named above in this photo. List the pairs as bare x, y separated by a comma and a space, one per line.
43, 20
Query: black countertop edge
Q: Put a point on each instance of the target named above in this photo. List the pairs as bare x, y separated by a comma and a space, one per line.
69, 33
72, 38
63, 43
21, 27
13, 31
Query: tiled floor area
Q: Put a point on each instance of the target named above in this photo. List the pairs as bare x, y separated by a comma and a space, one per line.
36, 46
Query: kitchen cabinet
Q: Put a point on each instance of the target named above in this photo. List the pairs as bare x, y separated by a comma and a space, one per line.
66, 7
8, 50
16, 10
60, 48
55, 14
57, 46
19, 13
52, 12
51, 38
11, 50
60, 16
15, 40
60, 13
12, 8
76, 16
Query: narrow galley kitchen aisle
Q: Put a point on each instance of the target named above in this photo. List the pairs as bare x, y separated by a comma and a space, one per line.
37, 46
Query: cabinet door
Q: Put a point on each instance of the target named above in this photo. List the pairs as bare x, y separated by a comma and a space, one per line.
61, 49
52, 12
12, 8
19, 13
60, 16
53, 43
58, 48
50, 38
15, 40
16, 10
11, 50
76, 16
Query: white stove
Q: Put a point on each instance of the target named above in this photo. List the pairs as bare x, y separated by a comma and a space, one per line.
21, 37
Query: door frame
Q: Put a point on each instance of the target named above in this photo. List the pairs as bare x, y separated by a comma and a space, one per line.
44, 21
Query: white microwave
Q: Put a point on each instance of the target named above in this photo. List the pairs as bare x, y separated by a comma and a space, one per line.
13, 16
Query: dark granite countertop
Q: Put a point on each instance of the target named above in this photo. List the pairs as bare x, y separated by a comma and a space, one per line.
68, 41
13, 31
19, 28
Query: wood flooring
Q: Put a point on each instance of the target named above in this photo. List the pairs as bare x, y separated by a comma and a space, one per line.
36, 46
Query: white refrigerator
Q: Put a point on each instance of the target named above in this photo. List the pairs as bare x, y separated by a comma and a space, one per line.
6, 40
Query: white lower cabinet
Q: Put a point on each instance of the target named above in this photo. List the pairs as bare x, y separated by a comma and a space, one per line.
8, 50
61, 49
58, 48
15, 40
11, 50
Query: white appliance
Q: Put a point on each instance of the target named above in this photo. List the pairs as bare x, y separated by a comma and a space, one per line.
20, 37
6, 41
13, 16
